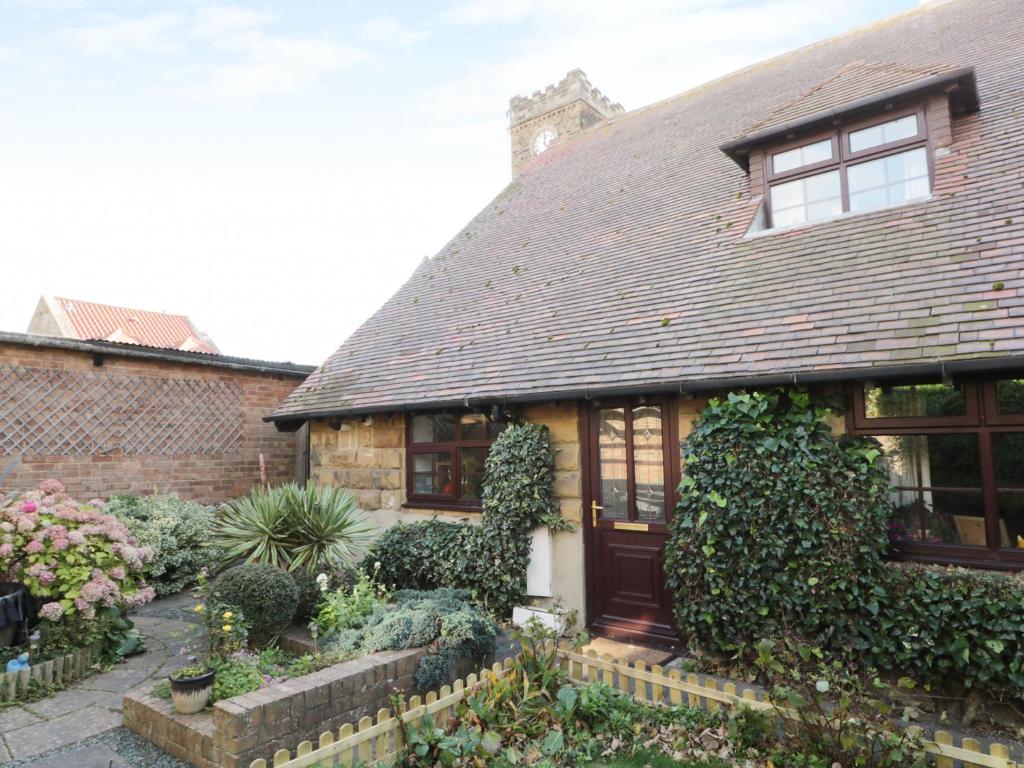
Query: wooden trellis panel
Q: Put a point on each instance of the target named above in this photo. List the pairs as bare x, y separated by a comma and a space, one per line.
53, 412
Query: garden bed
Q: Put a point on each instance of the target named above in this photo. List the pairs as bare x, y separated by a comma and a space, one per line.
236, 731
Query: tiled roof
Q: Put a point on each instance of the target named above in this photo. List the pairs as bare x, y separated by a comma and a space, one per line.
133, 326
620, 259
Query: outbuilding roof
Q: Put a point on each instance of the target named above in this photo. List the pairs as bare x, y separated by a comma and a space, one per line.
622, 259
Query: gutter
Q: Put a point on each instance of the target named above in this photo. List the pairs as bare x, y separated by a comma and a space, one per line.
100, 349
942, 369
963, 96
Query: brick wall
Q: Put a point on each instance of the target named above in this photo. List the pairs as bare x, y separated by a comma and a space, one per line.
134, 425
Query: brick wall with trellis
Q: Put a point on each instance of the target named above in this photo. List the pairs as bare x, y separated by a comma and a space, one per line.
105, 421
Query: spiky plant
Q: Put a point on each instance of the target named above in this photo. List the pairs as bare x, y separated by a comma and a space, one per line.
292, 527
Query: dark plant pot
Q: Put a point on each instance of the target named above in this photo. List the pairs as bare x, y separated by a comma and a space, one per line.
15, 606
191, 694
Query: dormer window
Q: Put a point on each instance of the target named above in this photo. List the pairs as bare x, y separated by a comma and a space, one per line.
872, 164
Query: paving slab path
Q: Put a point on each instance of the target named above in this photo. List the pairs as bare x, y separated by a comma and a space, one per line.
80, 726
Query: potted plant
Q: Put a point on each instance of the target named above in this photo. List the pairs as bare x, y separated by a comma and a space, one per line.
14, 610
192, 686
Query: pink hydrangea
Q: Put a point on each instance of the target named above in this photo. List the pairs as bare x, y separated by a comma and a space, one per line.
6, 550
33, 547
52, 611
117, 573
29, 506
51, 486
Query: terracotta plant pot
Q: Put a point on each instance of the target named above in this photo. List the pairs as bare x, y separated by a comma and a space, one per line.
191, 694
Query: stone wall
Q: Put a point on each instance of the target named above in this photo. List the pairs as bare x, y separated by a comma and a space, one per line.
370, 462
107, 424
257, 724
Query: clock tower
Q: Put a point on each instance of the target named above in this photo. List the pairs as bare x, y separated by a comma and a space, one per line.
554, 115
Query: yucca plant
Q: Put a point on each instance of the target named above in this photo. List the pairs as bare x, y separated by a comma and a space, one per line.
292, 527
326, 526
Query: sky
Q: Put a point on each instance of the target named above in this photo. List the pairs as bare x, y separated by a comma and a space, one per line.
276, 170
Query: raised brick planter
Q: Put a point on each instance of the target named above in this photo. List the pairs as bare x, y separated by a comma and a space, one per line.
239, 730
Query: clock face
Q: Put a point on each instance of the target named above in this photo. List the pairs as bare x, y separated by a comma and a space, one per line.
543, 140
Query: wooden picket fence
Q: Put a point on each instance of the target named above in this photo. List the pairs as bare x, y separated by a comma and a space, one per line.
46, 674
375, 743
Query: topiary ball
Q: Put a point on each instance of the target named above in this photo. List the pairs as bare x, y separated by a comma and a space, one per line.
266, 597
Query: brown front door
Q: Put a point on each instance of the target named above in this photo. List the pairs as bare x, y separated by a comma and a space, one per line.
632, 471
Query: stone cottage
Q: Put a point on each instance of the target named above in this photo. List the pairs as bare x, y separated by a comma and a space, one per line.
845, 217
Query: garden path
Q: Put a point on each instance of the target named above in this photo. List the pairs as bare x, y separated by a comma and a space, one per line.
80, 726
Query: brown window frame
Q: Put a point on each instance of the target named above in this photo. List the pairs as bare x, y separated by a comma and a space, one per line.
981, 418
843, 158
453, 447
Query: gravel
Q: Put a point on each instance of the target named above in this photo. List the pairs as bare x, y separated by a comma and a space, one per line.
132, 749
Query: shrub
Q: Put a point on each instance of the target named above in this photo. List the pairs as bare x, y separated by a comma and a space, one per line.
779, 525
177, 531
950, 625
265, 595
444, 619
312, 528
75, 560
491, 558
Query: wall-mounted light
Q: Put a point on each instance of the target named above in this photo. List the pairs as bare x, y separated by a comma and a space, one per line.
334, 423
368, 420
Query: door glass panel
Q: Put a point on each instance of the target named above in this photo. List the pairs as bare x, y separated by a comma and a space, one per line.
913, 400
936, 494
648, 464
471, 472
432, 474
611, 453
1010, 396
433, 428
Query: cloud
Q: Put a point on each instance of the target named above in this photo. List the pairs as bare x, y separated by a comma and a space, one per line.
271, 64
119, 36
387, 30
219, 20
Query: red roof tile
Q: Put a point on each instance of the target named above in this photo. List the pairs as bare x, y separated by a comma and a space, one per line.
133, 326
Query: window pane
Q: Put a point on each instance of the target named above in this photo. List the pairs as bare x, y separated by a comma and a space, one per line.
936, 492
1010, 396
648, 464
1008, 457
913, 400
433, 428
888, 180
474, 426
810, 199
808, 154
611, 451
432, 474
1011, 520
471, 469
884, 133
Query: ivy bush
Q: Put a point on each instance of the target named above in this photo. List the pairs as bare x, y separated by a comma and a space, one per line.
779, 526
178, 533
943, 625
489, 559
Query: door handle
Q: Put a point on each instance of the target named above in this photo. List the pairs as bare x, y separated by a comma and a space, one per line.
594, 509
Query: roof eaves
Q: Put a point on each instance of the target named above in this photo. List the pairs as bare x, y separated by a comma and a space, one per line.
119, 349
942, 368
959, 83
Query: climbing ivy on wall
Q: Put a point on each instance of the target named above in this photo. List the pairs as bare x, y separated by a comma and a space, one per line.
490, 559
